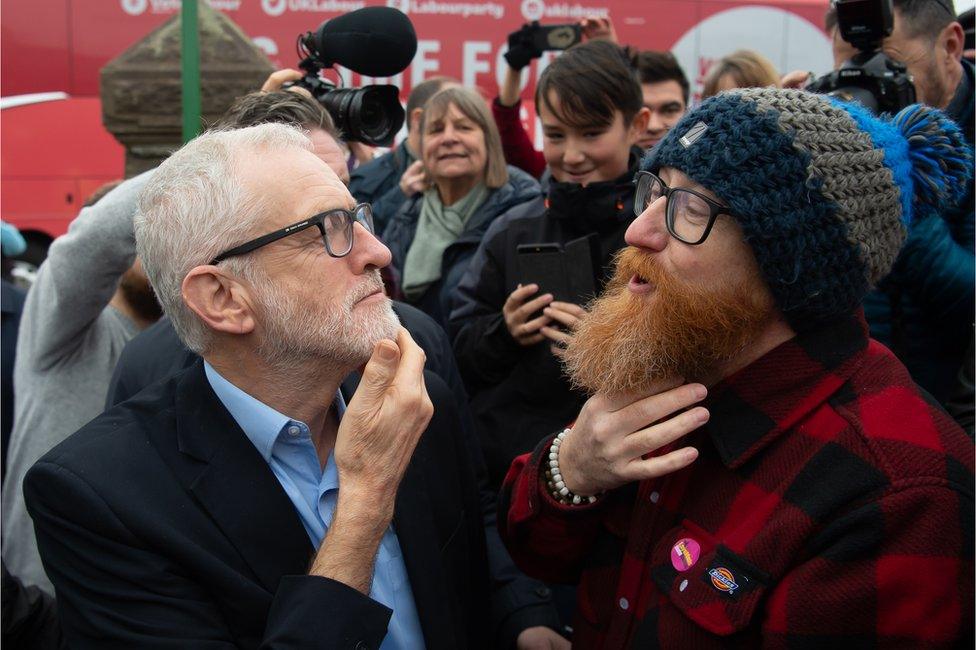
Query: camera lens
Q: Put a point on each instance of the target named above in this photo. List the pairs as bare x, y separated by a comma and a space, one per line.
371, 114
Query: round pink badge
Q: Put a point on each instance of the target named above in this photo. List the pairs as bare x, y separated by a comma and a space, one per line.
685, 553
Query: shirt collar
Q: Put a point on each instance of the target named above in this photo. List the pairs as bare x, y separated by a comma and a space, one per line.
752, 407
260, 423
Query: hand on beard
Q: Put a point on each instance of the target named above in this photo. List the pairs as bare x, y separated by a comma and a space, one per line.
615, 439
565, 318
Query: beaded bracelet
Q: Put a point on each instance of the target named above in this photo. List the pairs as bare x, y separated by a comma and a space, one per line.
554, 478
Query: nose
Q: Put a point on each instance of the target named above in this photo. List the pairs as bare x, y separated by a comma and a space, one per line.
368, 252
448, 135
573, 153
656, 123
648, 231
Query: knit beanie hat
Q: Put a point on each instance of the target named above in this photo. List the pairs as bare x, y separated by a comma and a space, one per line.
823, 191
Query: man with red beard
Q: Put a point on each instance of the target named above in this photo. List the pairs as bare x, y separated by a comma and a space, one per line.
752, 469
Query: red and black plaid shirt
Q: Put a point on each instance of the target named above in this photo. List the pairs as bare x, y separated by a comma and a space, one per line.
831, 506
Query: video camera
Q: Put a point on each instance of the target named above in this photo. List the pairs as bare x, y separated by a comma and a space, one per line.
373, 41
879, 83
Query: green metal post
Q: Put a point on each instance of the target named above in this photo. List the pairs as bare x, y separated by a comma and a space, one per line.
190, 64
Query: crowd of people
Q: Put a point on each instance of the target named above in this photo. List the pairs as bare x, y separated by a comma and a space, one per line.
274, 395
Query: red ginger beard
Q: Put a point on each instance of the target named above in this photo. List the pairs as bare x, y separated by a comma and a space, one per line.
628, 342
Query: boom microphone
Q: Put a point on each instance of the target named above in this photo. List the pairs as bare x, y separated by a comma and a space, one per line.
373, 41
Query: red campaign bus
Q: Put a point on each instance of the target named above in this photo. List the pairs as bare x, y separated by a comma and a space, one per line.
55, 151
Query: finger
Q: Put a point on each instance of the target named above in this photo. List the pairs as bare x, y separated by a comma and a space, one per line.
614, 403
532, 306
569, 308
412, 359
656, 407
557, 351
650, 468
531, 340
664, 433
556, 335
795, 79
565, 318
379, 371
518, 296
532, 326
279, 77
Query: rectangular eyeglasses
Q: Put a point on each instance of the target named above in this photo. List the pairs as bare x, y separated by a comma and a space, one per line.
689, 215
336, 226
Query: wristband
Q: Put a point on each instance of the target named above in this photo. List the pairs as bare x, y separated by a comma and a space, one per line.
554, 478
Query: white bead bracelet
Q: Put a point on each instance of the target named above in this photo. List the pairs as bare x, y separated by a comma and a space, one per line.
554, 478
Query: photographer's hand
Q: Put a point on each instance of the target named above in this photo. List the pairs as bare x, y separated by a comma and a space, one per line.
566, 314
414, 179
278, 78
520, 49
607, 445
798, 79
595, 27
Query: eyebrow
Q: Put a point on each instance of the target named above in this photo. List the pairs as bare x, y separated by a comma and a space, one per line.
668, 105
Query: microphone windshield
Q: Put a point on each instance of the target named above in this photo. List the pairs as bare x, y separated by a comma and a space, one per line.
373, 41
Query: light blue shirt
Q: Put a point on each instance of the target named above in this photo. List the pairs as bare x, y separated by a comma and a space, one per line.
286, 445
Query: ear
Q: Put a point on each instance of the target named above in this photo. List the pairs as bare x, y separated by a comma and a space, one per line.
220, 301
639, 124
416, 115
953, 39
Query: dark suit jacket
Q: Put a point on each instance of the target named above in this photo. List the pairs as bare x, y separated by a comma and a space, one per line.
518, 602
161, 526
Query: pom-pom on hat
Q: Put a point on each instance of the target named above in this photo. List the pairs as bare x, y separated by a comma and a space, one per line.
823, 191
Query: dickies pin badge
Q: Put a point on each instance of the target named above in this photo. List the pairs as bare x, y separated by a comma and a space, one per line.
723, 580
685, 553
693, 135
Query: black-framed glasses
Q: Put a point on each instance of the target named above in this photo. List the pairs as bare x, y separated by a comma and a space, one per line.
689, 215
335, 225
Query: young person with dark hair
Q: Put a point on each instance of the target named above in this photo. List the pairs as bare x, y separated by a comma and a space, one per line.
665, 90
508, 337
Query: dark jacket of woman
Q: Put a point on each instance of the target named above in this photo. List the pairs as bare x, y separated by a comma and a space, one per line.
520, 190
519, 394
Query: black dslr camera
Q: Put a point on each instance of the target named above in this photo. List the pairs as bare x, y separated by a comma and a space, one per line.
374, 41
869, 77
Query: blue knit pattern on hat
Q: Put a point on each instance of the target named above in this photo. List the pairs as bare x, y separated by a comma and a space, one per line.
750, 161
889, 139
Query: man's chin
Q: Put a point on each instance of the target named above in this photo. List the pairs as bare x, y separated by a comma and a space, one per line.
647, 143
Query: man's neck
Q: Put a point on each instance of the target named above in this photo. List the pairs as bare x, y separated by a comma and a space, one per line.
303, 391
122, 305
412, 143
952, 87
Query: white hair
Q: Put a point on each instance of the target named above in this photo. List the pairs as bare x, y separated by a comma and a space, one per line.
194, 207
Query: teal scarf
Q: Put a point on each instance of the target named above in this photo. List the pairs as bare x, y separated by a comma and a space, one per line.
437, 228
